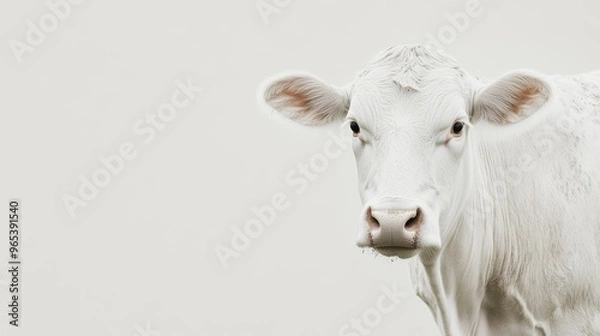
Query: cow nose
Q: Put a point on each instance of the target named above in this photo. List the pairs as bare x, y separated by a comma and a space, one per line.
394, 227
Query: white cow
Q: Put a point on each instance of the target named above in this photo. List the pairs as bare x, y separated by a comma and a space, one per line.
495, 186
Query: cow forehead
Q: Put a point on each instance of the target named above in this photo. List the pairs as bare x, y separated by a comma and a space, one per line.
377, 99
409, 66
408, 79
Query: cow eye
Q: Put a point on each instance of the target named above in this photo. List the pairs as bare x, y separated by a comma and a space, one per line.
354, 127
458, 127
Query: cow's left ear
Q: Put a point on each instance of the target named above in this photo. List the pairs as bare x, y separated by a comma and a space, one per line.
511, 98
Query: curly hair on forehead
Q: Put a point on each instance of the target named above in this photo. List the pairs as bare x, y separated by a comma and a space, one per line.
409, 65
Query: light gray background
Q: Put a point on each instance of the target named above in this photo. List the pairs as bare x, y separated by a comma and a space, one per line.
141, 255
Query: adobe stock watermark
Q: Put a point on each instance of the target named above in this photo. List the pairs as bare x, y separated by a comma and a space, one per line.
37, 30
372, 317
267, 8
457, 23
298, 178
146, 330
144, 131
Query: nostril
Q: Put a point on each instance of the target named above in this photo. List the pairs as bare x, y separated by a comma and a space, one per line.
414, 222
373, 222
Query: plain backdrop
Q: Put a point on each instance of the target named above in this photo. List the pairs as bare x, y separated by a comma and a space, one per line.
140, 258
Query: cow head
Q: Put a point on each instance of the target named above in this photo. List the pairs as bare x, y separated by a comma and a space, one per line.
410, 114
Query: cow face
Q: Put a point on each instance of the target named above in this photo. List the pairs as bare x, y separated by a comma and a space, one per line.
408, 143
410, 115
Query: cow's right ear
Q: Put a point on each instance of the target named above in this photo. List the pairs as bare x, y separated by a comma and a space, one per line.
305, 99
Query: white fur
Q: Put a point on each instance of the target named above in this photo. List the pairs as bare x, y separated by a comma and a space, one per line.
510, 243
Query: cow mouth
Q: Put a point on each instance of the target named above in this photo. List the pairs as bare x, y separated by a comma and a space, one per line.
397, 251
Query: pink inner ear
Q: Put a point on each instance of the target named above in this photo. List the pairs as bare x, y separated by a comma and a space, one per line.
297, 99
524, 97
301, 101
512, 99
306, 99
